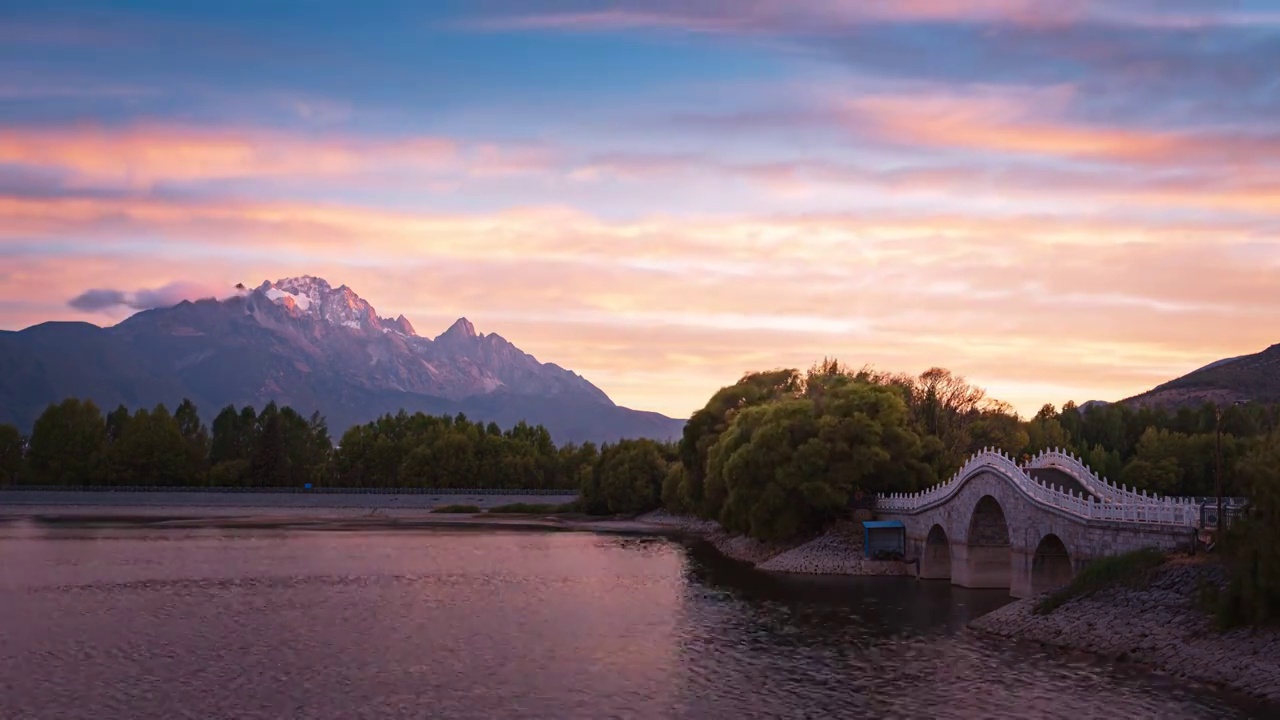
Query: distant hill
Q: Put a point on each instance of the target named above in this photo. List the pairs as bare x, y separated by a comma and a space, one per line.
1248, 377
303, 343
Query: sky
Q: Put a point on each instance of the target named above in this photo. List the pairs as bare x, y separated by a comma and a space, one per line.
1065, 200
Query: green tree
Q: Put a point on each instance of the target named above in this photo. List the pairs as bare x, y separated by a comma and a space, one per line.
789, 467
233, 435
1252, 595
1046, 432
194, 434
117, 420
628, 478
151, 451
706, 425
1155, 476
11, 454
672, 497
289, 450
68, 444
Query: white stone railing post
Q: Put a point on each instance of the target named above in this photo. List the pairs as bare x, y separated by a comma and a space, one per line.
1104, 500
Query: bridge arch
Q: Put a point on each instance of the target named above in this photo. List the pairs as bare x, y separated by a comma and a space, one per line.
1050, 565
989, 552
935, 562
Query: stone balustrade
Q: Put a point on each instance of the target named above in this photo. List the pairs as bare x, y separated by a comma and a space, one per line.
1106, 502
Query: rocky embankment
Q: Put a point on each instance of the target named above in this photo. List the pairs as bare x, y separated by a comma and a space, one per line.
1159, 625
836, 552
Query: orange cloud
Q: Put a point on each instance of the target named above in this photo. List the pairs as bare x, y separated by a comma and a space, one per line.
623, 327
1040, 307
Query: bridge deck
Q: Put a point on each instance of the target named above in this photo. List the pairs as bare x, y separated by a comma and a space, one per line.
1057, 478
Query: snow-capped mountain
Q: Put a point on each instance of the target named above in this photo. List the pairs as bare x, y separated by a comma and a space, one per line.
302, 342
314, 297
387, 354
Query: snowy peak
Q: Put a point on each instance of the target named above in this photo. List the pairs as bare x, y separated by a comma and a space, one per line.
401, 325
291, 301
462, 328
384, 354
315, 297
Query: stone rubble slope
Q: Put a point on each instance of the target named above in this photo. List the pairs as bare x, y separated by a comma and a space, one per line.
836, 552
1159, 625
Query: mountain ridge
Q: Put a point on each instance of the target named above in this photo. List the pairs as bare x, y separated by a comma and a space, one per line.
302, 342
1243, 378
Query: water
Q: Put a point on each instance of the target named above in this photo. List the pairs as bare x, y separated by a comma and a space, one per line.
132, 623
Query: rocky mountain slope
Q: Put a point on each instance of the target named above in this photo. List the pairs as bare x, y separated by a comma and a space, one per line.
304, 343
1248, 377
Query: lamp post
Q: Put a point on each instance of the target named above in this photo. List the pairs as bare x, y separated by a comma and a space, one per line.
1217, 468
1217, 463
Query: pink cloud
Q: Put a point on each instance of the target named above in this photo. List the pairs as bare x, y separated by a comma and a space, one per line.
1010, 303
144, 155
772, 17
168, 295
1022, 126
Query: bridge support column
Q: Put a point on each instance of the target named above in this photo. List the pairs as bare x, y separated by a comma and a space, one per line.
980, 566
1020, 580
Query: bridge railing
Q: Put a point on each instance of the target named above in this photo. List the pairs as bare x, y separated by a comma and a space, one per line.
1074, 466
987, 457
1117, 505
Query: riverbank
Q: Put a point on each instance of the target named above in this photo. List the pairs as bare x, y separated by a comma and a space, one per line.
836, 552
215, 501
310, 520
1159, 625
296, 511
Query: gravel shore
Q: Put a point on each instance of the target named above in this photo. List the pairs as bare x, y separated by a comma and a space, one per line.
1159, 625
836, 552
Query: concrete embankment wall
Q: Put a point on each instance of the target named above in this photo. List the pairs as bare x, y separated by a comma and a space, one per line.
1159, 625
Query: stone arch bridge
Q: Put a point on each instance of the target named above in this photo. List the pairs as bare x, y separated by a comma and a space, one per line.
1030, 528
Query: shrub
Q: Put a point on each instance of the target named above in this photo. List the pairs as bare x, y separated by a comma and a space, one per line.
458, 509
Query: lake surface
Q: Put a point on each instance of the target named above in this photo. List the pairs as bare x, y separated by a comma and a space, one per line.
133, 623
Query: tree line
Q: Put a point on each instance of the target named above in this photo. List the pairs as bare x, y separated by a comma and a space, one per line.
782, 453
73, 443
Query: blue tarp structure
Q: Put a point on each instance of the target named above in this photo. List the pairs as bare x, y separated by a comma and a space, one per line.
884, 536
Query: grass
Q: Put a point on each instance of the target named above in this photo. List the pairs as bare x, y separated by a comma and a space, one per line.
458, 509
532, 509
1133, 569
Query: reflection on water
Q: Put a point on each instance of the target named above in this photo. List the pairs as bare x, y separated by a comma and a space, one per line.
129, 623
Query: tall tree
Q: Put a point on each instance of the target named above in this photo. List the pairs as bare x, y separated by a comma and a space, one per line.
11, 454
704, 428
787, 468
629, 477
68, 444
1253, 544
194, 434
152, 451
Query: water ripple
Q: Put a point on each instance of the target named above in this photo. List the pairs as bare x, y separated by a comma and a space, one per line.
259, 624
